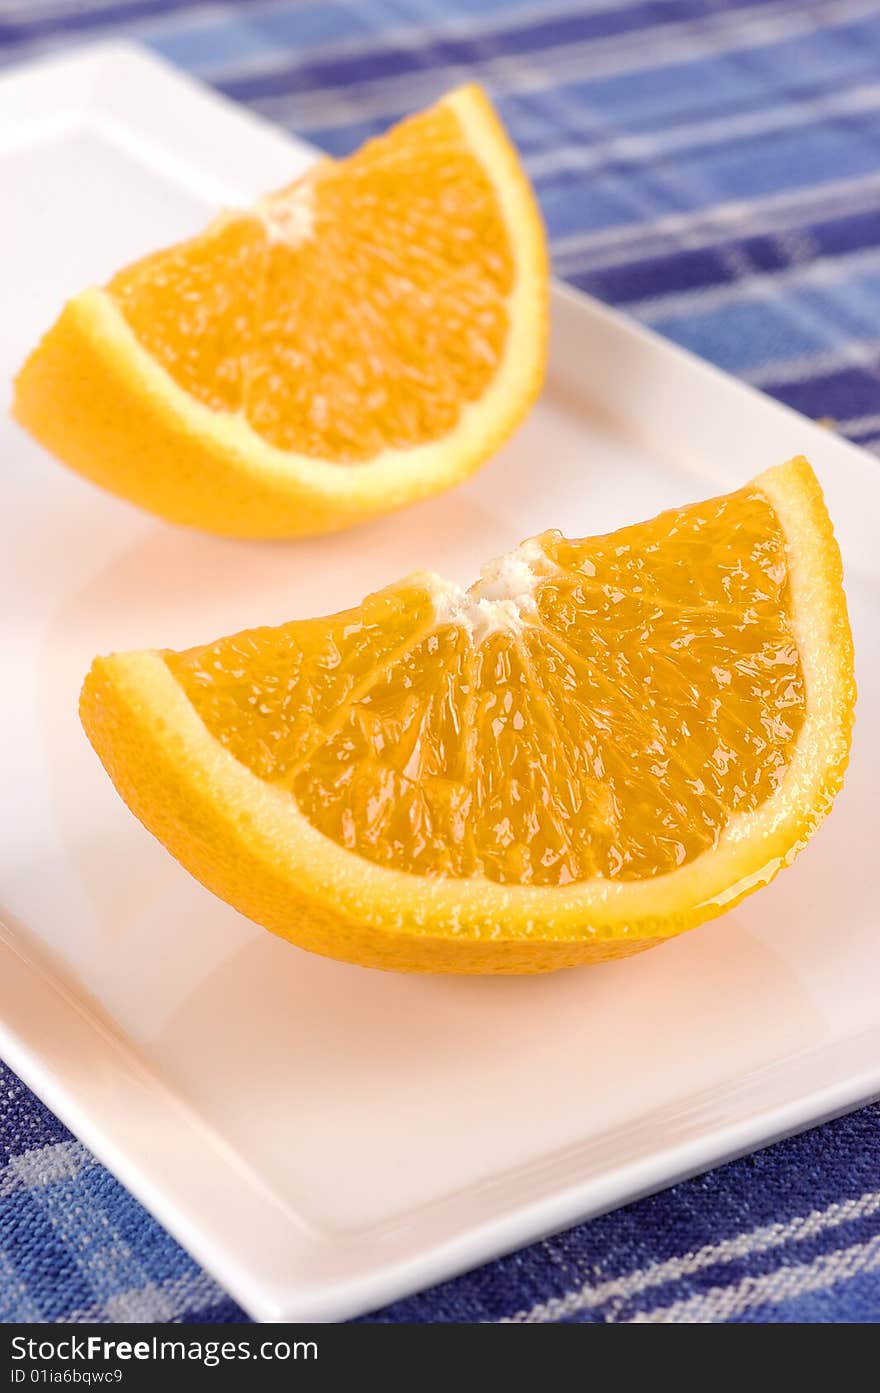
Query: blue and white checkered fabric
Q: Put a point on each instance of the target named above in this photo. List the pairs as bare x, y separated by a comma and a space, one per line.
714, 167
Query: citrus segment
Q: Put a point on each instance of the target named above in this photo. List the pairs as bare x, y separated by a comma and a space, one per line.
387, 311
388, 355
599, 744
193, 309
268, 694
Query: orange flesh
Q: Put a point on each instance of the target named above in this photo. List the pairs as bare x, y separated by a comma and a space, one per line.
651, 691
378, 285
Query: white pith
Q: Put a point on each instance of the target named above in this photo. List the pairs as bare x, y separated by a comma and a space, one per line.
289, 217
502, 600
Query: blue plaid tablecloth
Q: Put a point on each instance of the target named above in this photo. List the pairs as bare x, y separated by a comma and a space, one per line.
713, 166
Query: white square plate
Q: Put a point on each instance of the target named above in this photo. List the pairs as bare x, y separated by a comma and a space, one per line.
321, 1137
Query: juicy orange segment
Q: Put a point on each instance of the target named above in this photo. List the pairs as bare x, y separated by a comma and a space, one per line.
194, 308
607, 720
387, 311
599, 744
389, 355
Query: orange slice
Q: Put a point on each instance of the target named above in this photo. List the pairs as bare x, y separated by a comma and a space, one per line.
598, 745
362, 339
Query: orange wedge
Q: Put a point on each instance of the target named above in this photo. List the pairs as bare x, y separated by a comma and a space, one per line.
362, 339
598, 745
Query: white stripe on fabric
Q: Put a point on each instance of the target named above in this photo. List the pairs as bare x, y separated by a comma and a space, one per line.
135, 28
761, 1240
154, 1302
860, 425
633, 148
42, 1165
703, 226
166, 1300
277, 57
853, 353
419, 32
688, 41
785, 1284
810, 274
27, 11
